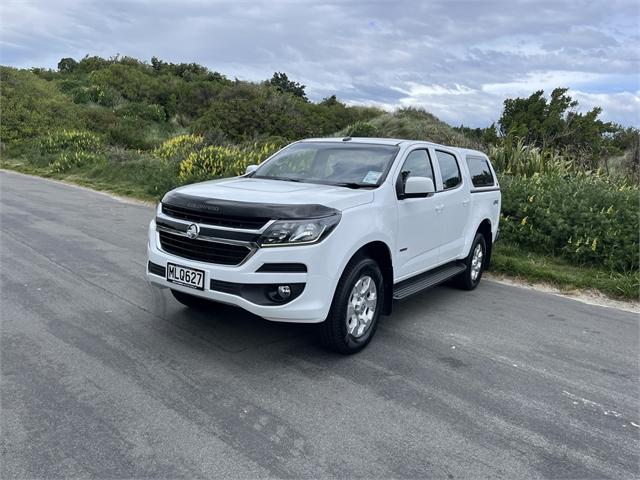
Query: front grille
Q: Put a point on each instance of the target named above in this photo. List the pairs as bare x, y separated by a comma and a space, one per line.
203, 251
209, 218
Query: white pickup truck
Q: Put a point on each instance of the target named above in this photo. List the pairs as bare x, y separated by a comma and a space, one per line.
329, 231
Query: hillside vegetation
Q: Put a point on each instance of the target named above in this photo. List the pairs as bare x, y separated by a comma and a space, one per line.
570, 180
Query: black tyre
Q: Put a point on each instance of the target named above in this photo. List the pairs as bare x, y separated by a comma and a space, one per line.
475, 263
355, 309
191, 301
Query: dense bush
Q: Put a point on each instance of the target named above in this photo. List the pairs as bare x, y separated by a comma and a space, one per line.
74, 140
32, 106
177, 148
151, 112
104, 96
133, 133
586, 218
216, 161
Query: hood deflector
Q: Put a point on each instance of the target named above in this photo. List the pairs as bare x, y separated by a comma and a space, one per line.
233, 208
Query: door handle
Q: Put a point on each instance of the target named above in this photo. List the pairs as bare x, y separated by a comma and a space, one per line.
465, 202
439, 208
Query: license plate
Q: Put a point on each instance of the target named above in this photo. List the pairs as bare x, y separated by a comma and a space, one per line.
189, 277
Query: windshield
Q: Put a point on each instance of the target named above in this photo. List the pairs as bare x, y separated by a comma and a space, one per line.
350, 164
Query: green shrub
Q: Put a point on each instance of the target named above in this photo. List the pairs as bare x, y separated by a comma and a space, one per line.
585, 218
80, 95
68, 85
98, 119
70, 160
129, 133
105, 96
152, 112
31, 106
74, 140
177, 148
216, 161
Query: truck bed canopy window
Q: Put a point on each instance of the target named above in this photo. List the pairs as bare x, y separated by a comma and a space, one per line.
481, 175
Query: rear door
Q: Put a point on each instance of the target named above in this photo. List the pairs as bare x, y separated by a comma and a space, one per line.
419, 235
452, 205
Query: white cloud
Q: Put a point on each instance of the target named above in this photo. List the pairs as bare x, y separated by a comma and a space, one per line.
623, 107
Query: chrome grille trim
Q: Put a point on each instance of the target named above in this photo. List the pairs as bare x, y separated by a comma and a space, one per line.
186, 223
228, 241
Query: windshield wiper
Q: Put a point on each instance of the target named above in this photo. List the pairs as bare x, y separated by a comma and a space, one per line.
285, 179
310, 180
352, 185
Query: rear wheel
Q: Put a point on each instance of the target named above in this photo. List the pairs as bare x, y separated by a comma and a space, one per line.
190, 301
475, 261
355, 309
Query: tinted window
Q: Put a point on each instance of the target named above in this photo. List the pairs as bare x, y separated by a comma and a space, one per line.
418, 164
449, 169
481, 175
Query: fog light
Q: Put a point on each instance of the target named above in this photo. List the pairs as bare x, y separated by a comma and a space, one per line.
284, 291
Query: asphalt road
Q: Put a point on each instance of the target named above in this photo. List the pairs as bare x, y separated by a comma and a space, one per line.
105, 376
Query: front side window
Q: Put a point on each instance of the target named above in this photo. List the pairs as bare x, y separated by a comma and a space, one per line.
417, 164
449, 170
481, 175
349, 164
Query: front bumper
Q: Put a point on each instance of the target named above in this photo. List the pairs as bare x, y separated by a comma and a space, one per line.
311, 306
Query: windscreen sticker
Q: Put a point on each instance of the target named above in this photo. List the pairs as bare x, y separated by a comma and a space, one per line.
371, 177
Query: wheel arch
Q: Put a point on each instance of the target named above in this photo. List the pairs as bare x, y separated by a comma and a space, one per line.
485, 230
381, 253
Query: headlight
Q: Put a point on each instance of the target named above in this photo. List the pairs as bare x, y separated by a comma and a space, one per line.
298, 232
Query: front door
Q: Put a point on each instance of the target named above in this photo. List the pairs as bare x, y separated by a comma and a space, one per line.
419, 234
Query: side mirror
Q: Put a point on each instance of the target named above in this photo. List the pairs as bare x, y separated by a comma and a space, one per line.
418, 187
250, 168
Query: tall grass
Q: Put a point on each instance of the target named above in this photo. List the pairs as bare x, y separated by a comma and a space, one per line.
526, 160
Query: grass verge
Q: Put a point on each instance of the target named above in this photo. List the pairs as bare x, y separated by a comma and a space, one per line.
509, 260
513, 261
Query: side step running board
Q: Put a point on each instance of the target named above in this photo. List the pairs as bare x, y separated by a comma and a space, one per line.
427, 280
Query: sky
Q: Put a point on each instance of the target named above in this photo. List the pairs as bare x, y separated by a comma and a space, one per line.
457, 59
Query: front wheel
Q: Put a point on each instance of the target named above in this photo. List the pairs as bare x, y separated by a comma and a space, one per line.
475, 262
355, 309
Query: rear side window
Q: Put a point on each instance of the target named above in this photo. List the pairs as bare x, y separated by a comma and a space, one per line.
449, 170
480, 171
